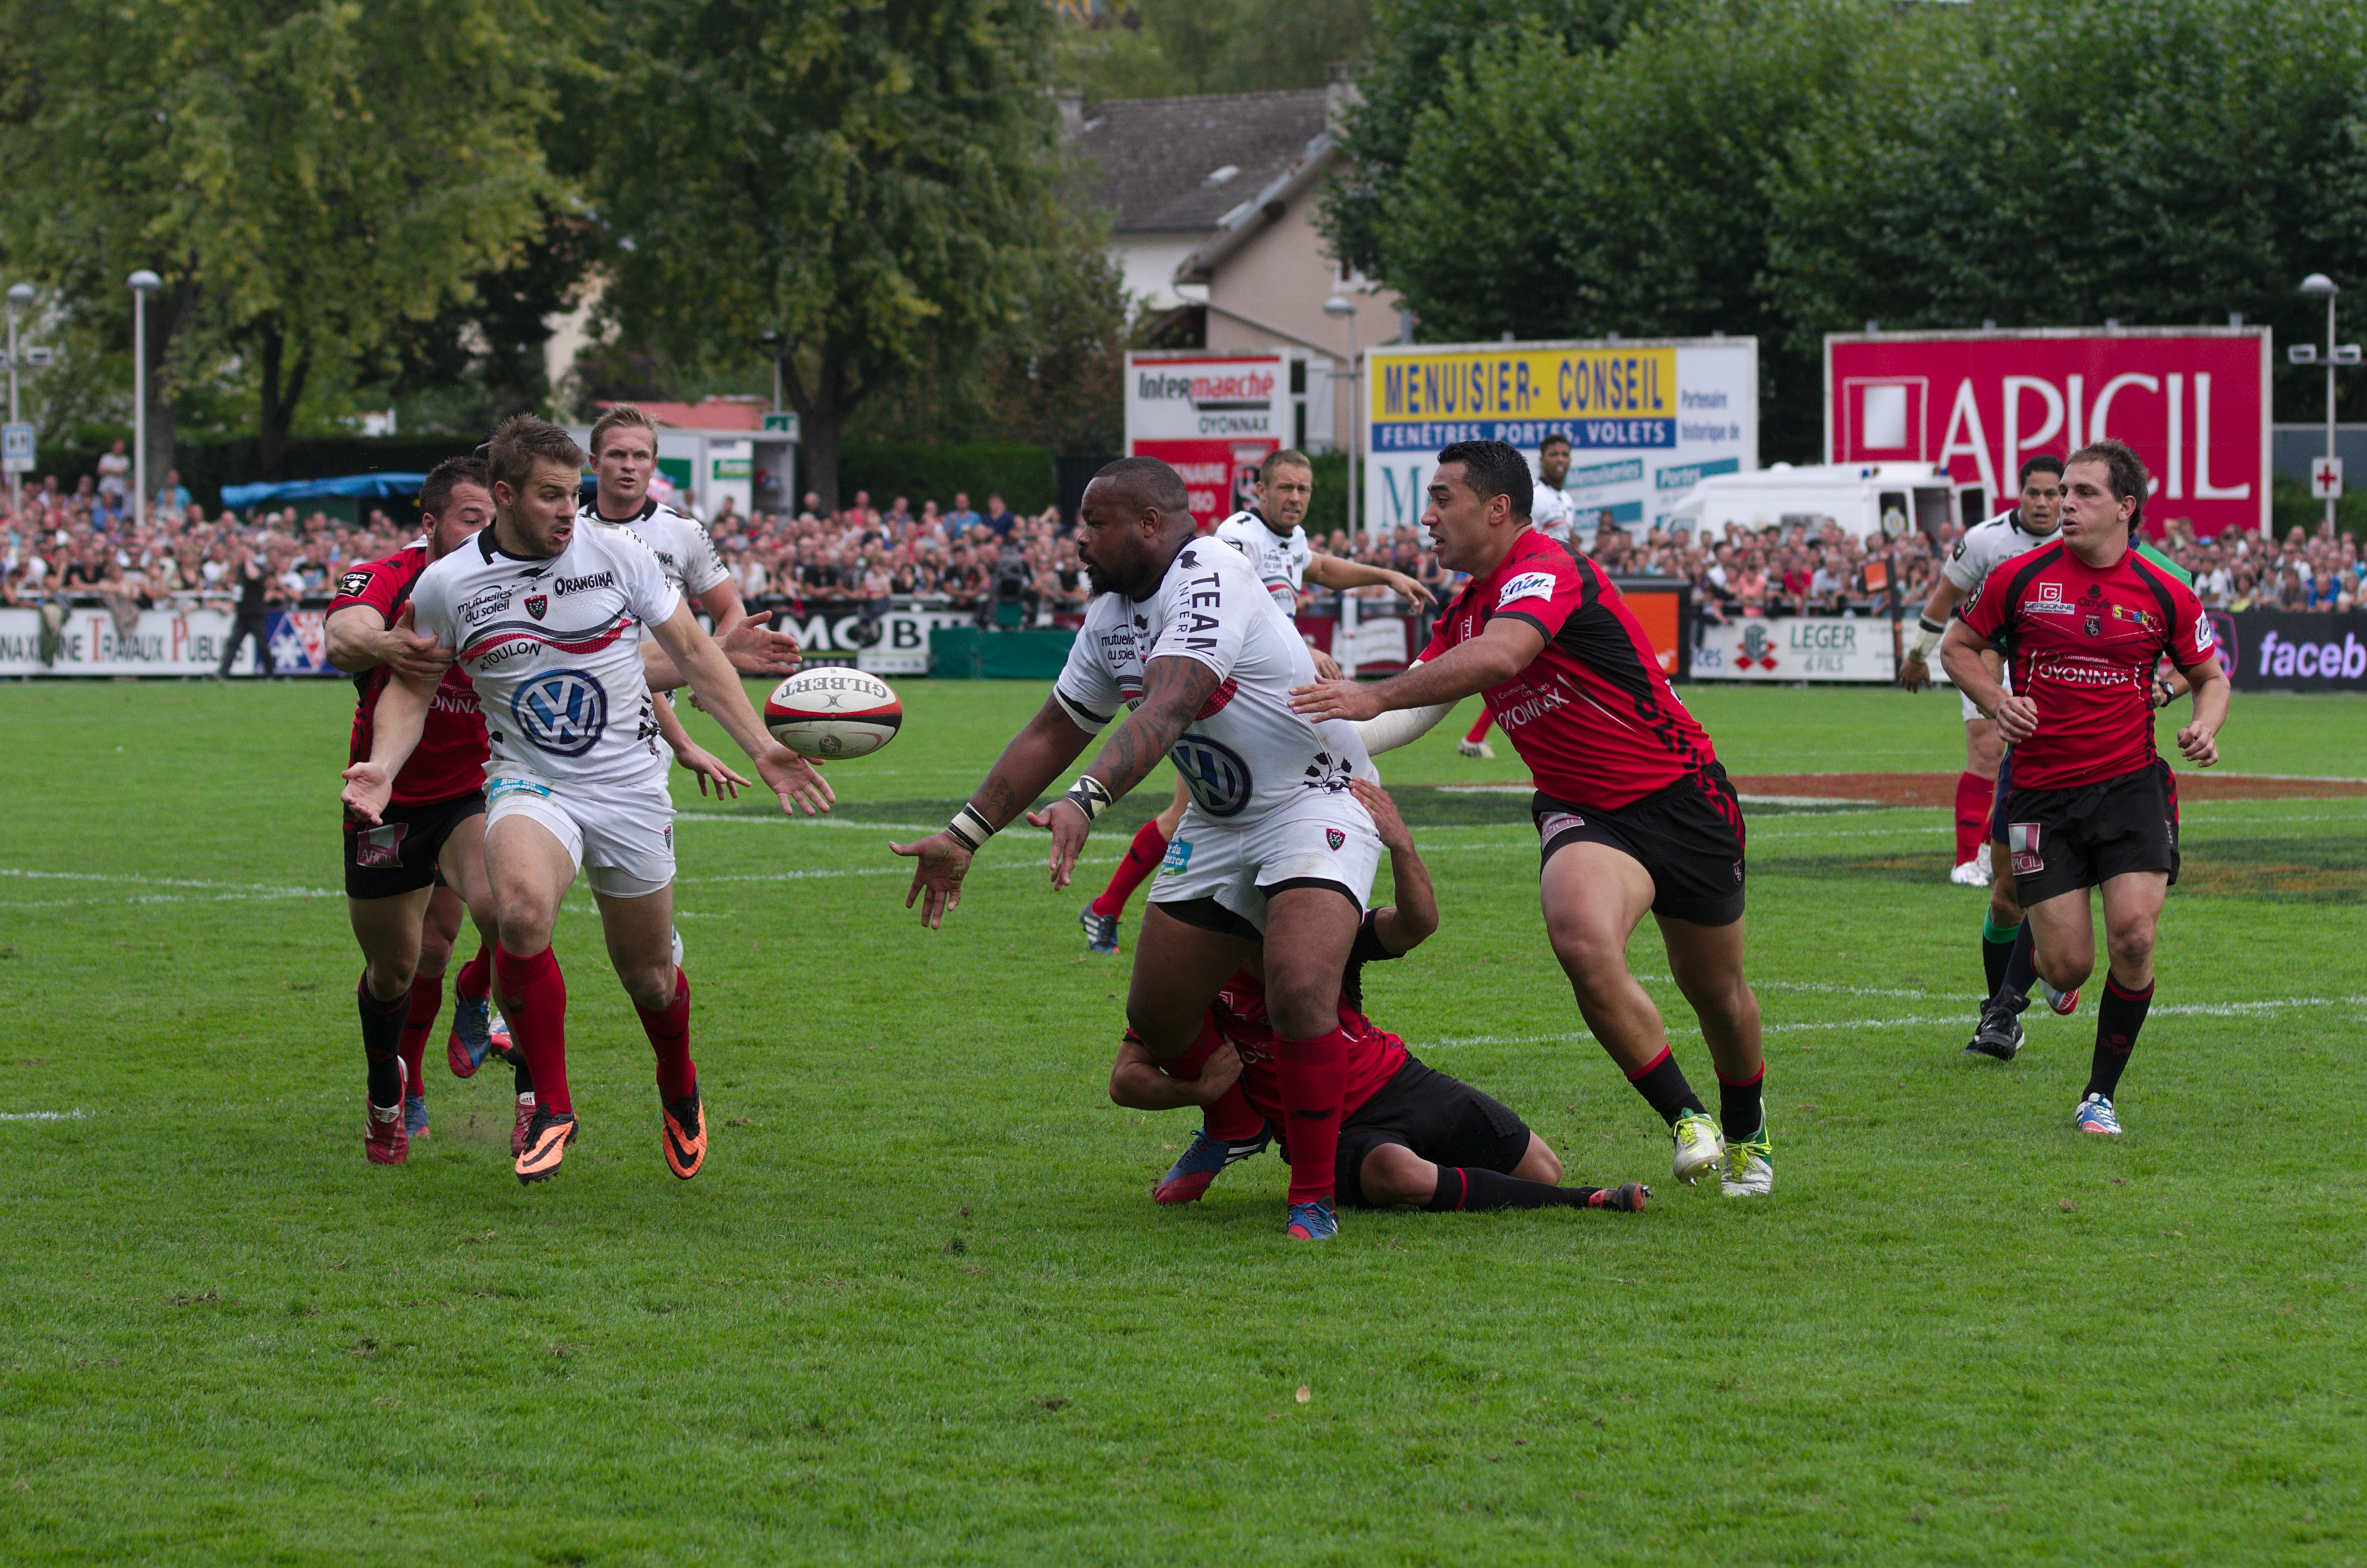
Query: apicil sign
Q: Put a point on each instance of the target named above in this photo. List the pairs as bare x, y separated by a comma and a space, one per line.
2193, 402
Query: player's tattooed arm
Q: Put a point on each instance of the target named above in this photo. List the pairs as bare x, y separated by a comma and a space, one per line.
1174, 690
1037, 756
1507, 646
1137, 1082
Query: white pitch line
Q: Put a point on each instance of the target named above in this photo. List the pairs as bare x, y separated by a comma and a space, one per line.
161, 881
44, 1115
2190, 1009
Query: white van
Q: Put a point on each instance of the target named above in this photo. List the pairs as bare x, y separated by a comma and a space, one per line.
1867, 499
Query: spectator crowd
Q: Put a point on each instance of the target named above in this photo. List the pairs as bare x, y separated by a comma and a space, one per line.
59, 546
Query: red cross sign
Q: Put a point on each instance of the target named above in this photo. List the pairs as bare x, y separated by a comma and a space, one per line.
2326, 479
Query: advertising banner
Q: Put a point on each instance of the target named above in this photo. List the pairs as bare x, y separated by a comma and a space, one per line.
164, 643
2193, 402
885, 642
1646, 420
1810, 647
2278, 650
1213, 417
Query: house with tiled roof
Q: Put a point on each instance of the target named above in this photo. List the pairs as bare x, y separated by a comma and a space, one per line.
1211, 203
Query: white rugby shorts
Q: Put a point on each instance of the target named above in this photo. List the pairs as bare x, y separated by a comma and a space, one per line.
619, 836
2005, 678
1323, 834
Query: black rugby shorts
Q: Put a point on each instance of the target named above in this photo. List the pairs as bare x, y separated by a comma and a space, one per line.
1689, 836
2068, 840
399, 855
1442, 1118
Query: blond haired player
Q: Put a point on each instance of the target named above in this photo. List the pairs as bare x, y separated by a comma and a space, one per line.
1273, 534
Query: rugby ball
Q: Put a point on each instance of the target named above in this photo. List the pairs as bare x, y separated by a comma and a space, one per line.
831, 712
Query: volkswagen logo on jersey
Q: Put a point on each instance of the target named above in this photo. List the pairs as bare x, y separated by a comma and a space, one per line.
563, 713
1218, 777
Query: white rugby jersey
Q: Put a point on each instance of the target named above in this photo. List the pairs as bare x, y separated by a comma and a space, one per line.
684, 552
554, 650
1280, 559
1986, 544
1246, 754
1553, 514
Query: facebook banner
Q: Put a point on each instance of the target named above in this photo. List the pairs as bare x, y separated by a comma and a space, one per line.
2273, 650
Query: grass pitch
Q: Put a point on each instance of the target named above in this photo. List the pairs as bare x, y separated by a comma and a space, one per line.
919, 1308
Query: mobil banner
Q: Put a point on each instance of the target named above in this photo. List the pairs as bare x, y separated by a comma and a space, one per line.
2277, 649
1646, 419
880, 641
1213, 417
1806, 647
2193, 402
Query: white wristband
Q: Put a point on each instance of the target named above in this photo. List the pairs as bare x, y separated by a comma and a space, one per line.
970, 829
1089, 795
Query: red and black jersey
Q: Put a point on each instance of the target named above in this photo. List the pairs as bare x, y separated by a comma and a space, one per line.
1593, 714
2085, 643
449, 760
1373, 1055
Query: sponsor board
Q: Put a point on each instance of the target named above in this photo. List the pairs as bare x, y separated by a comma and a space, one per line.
2293, 650
1811, 648
2193, 402
1213, 417
163, 643
891, 642
1639, 417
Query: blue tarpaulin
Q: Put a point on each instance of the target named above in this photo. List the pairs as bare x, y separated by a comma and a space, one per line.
375, 486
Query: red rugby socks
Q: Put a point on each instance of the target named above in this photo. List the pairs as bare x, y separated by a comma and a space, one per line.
669, 1032
426, 1001
475, 980
1142, 858
1480, 730
2119, 1017
1974, 794
1663, 1086
533, 1000
1314, 1079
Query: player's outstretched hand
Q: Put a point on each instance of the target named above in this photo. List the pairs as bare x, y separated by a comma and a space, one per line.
796, 780
410, 652
1395, 836
756, 649
1335, 699
1326, 667
2199, 745
1069, 830
705, 765
1914, 674
1412, 589
368, 787
2017, 719
944, 861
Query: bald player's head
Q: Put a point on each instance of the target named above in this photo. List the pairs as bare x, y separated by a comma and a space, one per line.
1135, 515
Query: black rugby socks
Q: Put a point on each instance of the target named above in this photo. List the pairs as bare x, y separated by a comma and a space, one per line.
1996, 949
382, 1041
1470, 1186
1663, 1084
2119, 1017
1742, 1110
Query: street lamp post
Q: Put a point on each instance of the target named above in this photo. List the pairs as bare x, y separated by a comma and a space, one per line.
2318, 286
19, 296
142, 283
1340, 308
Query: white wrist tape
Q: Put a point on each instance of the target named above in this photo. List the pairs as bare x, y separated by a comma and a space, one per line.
1401, 726
970, 829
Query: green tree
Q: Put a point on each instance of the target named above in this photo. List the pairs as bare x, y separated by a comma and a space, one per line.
2050, 163
305, 176
1552, 189
875, 181
1172, 48
1421, 50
